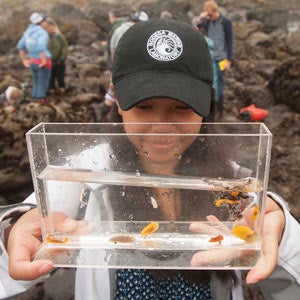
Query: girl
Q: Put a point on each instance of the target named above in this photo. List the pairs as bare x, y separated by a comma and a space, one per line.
58, 46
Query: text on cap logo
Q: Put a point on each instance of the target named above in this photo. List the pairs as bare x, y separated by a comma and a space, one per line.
164, 45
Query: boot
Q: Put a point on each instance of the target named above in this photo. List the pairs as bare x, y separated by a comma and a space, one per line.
62, 92
52, 93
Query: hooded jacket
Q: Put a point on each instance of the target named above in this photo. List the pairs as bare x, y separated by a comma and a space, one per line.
34, 41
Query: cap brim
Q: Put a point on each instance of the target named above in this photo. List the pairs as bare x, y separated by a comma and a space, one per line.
138, 87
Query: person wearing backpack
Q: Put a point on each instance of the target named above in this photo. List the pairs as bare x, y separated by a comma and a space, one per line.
58, 46
219, 30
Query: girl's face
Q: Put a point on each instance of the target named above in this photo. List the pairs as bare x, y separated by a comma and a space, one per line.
160, 153
50, 28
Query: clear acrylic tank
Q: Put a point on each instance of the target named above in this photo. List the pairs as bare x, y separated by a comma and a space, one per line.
163, 195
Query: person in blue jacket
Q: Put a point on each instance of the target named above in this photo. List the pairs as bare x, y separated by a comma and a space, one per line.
33, 50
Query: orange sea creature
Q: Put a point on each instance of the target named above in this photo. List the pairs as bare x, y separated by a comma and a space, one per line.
217, 238
54, 240
219, 202
150, 228
235, 193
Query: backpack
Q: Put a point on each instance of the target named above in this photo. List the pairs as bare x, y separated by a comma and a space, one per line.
225, 23
207, 22
252, 113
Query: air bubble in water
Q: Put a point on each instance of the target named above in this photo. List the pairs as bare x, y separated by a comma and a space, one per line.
154, 202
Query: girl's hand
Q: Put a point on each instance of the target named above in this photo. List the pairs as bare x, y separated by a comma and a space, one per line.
274, 222
24, 241
273, 226
26, 63
227, 65
43, 64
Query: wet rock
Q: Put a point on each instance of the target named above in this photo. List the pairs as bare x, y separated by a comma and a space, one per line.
81, 31
272, 19
285, 84
293, 43
243, 30
259, 38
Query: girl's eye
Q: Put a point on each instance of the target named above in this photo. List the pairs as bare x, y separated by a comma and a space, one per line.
182, 107
143, 107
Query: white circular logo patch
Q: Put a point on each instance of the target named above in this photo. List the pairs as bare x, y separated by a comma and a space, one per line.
164, 45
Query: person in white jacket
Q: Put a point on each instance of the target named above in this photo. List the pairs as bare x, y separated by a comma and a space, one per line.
162, 73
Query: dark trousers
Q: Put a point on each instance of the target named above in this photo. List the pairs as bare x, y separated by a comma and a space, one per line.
57, 74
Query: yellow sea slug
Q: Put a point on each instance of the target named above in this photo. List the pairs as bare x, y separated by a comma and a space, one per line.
255, 212
150, 228
242, 232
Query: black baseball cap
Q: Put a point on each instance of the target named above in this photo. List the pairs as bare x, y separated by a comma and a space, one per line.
163, 58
